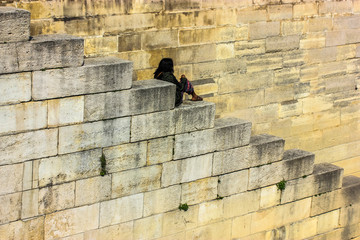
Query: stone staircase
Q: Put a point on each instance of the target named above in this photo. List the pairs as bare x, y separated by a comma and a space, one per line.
60, 113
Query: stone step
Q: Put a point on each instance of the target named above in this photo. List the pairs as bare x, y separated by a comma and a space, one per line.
14, 25
144, 97
96, 76
42, 52
263, 149
295, 164
227, 133
325, 178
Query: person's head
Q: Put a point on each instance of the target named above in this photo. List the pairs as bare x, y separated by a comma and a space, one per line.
165, 65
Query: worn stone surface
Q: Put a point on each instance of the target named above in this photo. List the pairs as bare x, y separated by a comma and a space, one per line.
96, 76
29, 203
160, 150
30, 145
10, 210
29, 229
55, 198
148, 228
121, 231
15, 88
92, 190
14, 25
233, 183
241, 204
92, 135
13, 172
65, 111
178, 221
42, 52
199, 191
211, 211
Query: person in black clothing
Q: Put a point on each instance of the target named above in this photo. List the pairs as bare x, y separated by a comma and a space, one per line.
165, 72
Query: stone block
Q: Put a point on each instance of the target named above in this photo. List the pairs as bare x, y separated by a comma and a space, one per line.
245, 48
27, 178
350, 215
257, 63
123, 231
152, 125
148, 228
126, 156
227, 16
328, 221
320, 24
278, 216
295, 164
316, 104
346, 22
231, 133
290, 109
29, 229
196, 54
92, 190
129, 42
96, 76
225, 51
135, 181
186, 170
29, 204
280, 12
69, 167
335, 38
42, 52
285, 43
30, 145
55, 198
199, 191
163, 39
65, 111
194, 143
193, 116
10, 209
14, 25
121, 210
219, 230
178, 221
15, 88
241, 226
335, 7
270, 196
160, 150
233, 183
293, 27
92, 135
325, 178
23, 116
241, 204
321, 55
210, 212
305, 10
162, 200
249, 16
260, 30
11, 178
101, 45
72, 221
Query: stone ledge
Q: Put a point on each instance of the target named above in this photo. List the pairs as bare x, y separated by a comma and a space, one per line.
14, 25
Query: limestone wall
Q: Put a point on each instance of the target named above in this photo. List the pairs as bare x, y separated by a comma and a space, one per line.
86, 153
290, 67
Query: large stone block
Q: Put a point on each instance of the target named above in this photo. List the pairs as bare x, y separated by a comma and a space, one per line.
325, 178
65, 111
135, 181
186, 170
199, 191
10, 209
179, 221
55, 198
233, 183
29, 229
96, 76
92, 190
121, 210
15, 88
11, 178
14, 25
270, 196
295, 164
162, 200
160, 150
93, 135
42, 52
125, 156
148, 228
328, 221
210, 212
261, 30
241, 204
219, 230
30, 145
29, 203
23, 116
231, 133
152, 125
71, 222
193, 116
69, 167
284, 43
123, 231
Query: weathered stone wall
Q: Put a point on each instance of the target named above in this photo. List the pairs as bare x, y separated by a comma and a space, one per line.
86, 153
291, 67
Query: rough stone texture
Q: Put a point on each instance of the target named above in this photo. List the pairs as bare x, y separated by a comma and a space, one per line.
96, 76
29, 203
13, 172
126, 156
160, 150
122, 231
72, 221
135, 181
10, 210
121, 209
177, 221
42, 52
233, 183
210, 212
199, 191
14, 25
29, 229
92, 190
65, 111
30, 145
192, 116
152, 125
91, 135
148, 228
69, 167
15, 88
55, 198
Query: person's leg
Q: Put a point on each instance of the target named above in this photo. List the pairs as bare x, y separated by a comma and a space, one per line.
189, 89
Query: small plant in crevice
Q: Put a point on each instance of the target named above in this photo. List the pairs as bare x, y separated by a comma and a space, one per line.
281, 185
219, 197
183, 207
103, 165
305, 176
